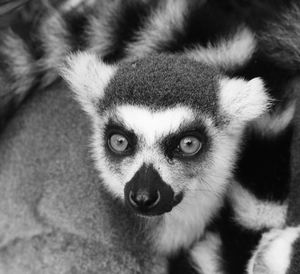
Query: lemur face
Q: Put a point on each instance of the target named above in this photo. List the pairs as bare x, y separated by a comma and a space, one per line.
166, 128
154, 156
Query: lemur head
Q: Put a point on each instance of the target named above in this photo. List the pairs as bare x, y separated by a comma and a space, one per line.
166, 128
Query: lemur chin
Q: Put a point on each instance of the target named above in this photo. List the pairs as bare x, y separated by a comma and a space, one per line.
166, 132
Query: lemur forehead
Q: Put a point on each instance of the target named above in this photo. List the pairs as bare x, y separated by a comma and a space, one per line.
163, 81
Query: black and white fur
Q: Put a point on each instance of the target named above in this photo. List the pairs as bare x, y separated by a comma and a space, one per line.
124, 29
248, 40
158, 101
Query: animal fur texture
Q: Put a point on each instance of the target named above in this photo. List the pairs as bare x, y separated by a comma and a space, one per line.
55, 216
142, 97
252, 39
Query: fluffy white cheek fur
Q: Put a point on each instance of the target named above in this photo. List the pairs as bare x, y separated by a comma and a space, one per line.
204, 196
186, 222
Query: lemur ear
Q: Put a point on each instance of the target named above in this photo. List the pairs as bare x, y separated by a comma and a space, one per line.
87, 76
243, 100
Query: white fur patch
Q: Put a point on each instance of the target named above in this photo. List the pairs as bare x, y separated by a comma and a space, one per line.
243, 100
88, 76
206, 254
274, 253
187, 222
253, 213
159, 28
152, 125
112, 182
70, 4
227, 54
276, 122
75, 4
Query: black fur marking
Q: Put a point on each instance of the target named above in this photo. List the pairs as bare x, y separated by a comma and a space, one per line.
6, 70
148, 180
117, 128
201, 27
77, 23
238, 242
181, 264
295, 258
7, 107
264, 164
163, 81
294, 201
127, 20
171, 142
257, 12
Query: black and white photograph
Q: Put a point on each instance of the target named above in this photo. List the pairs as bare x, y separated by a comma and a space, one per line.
149, 137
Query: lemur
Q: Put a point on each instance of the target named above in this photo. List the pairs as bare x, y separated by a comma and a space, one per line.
248, 40
166, 135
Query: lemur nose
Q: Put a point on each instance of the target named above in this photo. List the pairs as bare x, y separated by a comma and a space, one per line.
144, 199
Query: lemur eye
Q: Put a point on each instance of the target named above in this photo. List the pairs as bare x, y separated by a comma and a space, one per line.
189, 145
118, 143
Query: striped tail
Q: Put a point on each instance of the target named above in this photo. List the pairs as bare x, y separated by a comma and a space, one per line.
17, 73
22, 65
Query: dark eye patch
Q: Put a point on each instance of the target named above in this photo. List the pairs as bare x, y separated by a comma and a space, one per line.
170, 144
112, 128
